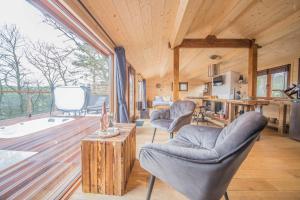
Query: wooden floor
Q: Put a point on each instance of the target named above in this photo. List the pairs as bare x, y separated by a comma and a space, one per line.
54, 170
271, 171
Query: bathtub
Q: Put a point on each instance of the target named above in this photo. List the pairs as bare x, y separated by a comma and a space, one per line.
32, 126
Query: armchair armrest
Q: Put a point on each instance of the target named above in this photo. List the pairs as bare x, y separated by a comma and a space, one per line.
160, 114
180, 121
196, 155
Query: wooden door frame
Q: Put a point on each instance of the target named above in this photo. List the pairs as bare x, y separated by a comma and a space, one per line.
130, 71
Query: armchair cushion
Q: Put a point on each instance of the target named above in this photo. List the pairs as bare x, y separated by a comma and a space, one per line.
202, 136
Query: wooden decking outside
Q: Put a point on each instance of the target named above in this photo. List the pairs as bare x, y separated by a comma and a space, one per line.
54, 171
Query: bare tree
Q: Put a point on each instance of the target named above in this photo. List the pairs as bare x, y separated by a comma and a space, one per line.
33, 96
1, 94
60, 58
86, 57
96, 64
11, 53
40, 55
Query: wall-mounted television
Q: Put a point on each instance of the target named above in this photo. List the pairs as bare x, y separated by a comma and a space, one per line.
218, 80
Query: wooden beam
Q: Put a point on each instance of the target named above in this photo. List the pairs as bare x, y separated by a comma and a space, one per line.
186, 13
252, 70
212, 42
176, 74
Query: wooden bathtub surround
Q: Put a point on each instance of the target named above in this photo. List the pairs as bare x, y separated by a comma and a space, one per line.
107, 163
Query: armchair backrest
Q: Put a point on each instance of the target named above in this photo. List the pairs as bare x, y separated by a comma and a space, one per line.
180, 108
233, 145
237, 133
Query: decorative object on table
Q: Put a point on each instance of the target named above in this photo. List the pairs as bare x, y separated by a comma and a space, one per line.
238, 95
242, 80
183, 86
107, 128
104, 121
108, 133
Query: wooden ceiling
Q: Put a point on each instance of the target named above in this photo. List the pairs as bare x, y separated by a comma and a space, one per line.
146, 27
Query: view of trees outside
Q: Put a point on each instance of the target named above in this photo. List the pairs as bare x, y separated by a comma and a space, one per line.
279, 82
261, 86
31, 68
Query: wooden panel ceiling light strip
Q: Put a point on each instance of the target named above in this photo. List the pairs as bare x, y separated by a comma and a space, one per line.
65, 17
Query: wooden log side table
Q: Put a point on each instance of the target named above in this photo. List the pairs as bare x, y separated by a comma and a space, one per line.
107, 163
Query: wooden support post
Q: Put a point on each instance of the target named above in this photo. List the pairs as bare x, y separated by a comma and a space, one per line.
231, 112
252, 70
282, 118
176, 74
299, 71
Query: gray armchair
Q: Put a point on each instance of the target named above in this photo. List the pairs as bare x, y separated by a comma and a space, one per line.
201, 161
171, 120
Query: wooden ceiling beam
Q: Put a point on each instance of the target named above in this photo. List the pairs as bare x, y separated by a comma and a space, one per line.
212, 42
186, 12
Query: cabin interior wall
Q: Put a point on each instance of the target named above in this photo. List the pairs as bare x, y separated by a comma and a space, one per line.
194, 87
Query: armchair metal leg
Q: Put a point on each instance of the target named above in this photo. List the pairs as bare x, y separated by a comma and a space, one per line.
153, 135
226, 196
150, 187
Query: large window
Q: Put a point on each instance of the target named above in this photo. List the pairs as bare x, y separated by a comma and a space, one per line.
271, 82
38, 54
